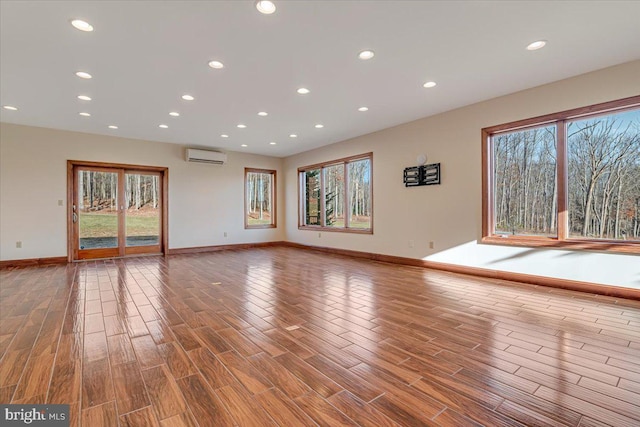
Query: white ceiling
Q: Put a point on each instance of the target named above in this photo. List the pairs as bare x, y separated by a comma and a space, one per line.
144, 55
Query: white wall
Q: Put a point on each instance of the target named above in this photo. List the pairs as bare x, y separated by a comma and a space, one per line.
450, 214
204, 200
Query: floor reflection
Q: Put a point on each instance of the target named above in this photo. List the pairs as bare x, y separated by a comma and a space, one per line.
149, 339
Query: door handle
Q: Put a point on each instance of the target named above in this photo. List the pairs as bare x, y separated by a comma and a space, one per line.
75, 217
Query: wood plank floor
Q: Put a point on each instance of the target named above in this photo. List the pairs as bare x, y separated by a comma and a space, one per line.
282, 336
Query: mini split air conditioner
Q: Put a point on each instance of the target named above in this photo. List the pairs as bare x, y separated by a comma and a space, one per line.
205, 156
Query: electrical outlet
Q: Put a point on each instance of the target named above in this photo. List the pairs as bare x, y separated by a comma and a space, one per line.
411, 243
19, 244
431, 245
319, 235
225, 234
60, 202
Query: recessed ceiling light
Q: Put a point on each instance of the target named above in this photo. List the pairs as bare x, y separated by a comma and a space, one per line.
83, 75
188, 97
293, 135
363, 109
537, 45
83, 114
303, 91
113, 127
84, 97
319, 126
243, 145
265, 6
174, 114
82, 25
263, 113
10, 107
163, 126
216, 64
272, 143
224, 135
241, 126
366, 54
429, 84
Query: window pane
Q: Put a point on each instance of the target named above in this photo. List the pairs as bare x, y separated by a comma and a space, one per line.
259, 203
525, 199
334, 196
312, 197
604, 176
142, 219
360, 194
97, 209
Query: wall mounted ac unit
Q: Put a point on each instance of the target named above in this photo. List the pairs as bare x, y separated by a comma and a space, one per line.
205, 156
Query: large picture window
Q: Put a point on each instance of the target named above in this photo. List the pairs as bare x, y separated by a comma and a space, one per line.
260, 198
569, 179
525, 182
337, 195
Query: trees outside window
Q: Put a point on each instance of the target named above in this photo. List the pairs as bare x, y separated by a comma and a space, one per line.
360, 213
603, 155
334, 208
260, 198
337, 195
525, 182
569, 179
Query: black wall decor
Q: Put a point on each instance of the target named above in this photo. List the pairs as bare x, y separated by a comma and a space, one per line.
415, 176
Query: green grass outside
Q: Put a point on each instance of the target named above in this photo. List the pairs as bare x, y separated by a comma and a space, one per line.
352, 224
257, 221
360, 224
253, 218
107, 226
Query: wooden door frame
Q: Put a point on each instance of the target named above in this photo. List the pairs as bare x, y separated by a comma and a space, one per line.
164, 176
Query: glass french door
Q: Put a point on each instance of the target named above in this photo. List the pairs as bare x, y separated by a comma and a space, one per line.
116, 212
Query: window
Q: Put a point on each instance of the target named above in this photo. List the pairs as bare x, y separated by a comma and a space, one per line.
525, 182
603, 155
569, 179
260, 198
337, 195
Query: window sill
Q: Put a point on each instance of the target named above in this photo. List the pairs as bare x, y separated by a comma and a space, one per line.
259, 227
335, 230
572, 244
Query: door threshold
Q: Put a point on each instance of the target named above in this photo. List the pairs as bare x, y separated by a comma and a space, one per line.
119, 257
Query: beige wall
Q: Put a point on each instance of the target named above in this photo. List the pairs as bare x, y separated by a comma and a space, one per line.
450, 214
204, 200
